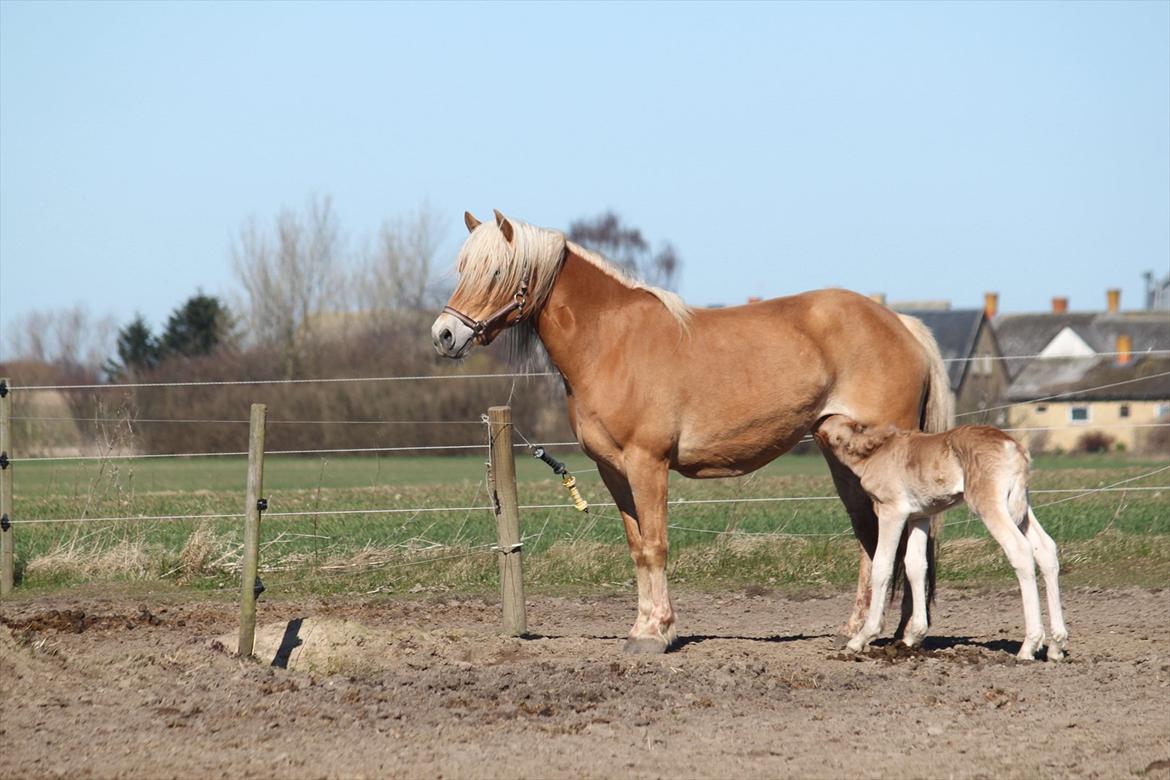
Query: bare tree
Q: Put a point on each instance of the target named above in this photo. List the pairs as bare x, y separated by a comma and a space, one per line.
625, 245
397, 273
70, 338
290, 276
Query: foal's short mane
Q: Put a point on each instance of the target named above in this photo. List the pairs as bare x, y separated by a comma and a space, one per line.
492, 268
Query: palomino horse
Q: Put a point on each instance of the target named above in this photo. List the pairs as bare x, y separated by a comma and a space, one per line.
913, 476
654, 385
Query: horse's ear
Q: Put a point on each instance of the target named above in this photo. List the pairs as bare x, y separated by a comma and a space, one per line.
471, 222
504, 225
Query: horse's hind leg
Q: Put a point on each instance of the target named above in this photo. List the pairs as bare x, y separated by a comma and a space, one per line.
916, 566
1019, 553
1046, 558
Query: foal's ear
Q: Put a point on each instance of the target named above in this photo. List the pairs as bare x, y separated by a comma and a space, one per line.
471, 222
504, 225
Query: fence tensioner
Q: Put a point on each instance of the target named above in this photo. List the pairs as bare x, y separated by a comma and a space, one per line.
567, 479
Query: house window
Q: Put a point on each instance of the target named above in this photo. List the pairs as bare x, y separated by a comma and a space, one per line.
1078, 414
1123, 411
1163, 410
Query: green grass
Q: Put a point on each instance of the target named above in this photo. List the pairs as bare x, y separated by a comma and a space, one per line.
1105, 538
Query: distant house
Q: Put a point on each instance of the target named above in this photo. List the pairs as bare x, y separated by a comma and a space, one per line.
1108, 370
967, 341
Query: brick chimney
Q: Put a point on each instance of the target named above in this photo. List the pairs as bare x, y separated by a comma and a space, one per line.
754, 299
990, 304
1124, 349
1113, 300
1060, 305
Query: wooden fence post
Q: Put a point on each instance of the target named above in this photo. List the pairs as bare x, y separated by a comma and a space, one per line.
507, 520
7, 576
253, 505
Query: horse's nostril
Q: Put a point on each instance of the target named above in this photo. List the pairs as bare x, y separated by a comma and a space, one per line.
446, 338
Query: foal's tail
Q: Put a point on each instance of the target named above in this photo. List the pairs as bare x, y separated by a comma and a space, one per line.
938, 414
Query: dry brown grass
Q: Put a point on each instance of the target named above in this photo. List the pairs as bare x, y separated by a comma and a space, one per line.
91, 556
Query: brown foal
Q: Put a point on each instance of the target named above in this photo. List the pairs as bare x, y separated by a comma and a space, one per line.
654, 385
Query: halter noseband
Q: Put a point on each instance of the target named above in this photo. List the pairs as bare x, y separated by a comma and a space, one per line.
483, 331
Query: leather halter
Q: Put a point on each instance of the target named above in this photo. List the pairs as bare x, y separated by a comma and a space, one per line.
485, 330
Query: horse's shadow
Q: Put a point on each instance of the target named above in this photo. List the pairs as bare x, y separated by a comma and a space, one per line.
694, 639
930, 644
934, 643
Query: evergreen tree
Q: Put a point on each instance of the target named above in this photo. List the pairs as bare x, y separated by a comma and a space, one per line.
196, 328
138, 350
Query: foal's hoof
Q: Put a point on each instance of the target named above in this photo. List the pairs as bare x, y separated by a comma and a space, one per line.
645, 646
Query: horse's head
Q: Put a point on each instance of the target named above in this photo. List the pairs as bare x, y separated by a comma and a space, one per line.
505, 271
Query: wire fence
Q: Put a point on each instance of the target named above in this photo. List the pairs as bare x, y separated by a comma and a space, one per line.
416, 513
501, 375
678, 502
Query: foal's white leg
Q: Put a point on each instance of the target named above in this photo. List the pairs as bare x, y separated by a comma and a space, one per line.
890, 524
916, 574
1019, 553
1046, 558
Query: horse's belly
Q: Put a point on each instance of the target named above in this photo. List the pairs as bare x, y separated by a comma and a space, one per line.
705, 458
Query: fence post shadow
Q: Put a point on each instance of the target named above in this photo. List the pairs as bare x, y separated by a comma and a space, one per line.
289, 642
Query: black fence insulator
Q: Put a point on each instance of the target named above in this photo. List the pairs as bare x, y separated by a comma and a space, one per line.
4, 460
258, 588
553, 463
3, 388
261, 504
4, 522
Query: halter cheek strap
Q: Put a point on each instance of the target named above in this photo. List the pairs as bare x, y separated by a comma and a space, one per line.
483, 331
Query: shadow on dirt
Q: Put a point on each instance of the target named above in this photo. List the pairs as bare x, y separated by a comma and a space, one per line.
694, 639
289, 642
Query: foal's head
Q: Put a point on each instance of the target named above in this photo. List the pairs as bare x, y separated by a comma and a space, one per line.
506, 270
850, 441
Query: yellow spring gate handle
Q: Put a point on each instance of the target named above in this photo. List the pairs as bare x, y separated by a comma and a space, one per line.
567, 479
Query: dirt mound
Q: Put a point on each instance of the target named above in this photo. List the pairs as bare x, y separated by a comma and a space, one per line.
327, 645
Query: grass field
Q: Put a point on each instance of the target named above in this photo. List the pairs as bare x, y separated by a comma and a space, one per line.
1106, 538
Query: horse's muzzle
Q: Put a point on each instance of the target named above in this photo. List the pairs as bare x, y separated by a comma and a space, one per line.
452, 339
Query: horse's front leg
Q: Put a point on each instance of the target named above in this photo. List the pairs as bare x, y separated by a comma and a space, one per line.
891, 521
916, 571
865, 527
623, 497
654, 631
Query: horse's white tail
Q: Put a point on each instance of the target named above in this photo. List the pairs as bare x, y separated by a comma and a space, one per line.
938, 414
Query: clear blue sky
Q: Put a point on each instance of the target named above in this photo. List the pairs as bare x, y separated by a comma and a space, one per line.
926, 150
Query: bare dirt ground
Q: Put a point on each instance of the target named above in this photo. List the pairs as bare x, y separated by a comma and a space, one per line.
108, 686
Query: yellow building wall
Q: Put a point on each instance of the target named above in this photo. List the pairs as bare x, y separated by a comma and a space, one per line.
1104, 416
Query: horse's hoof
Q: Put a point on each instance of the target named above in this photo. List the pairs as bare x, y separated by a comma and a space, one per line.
855, 645
645, 646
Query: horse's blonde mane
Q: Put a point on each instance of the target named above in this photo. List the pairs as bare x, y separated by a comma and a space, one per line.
674, 304
492, 267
